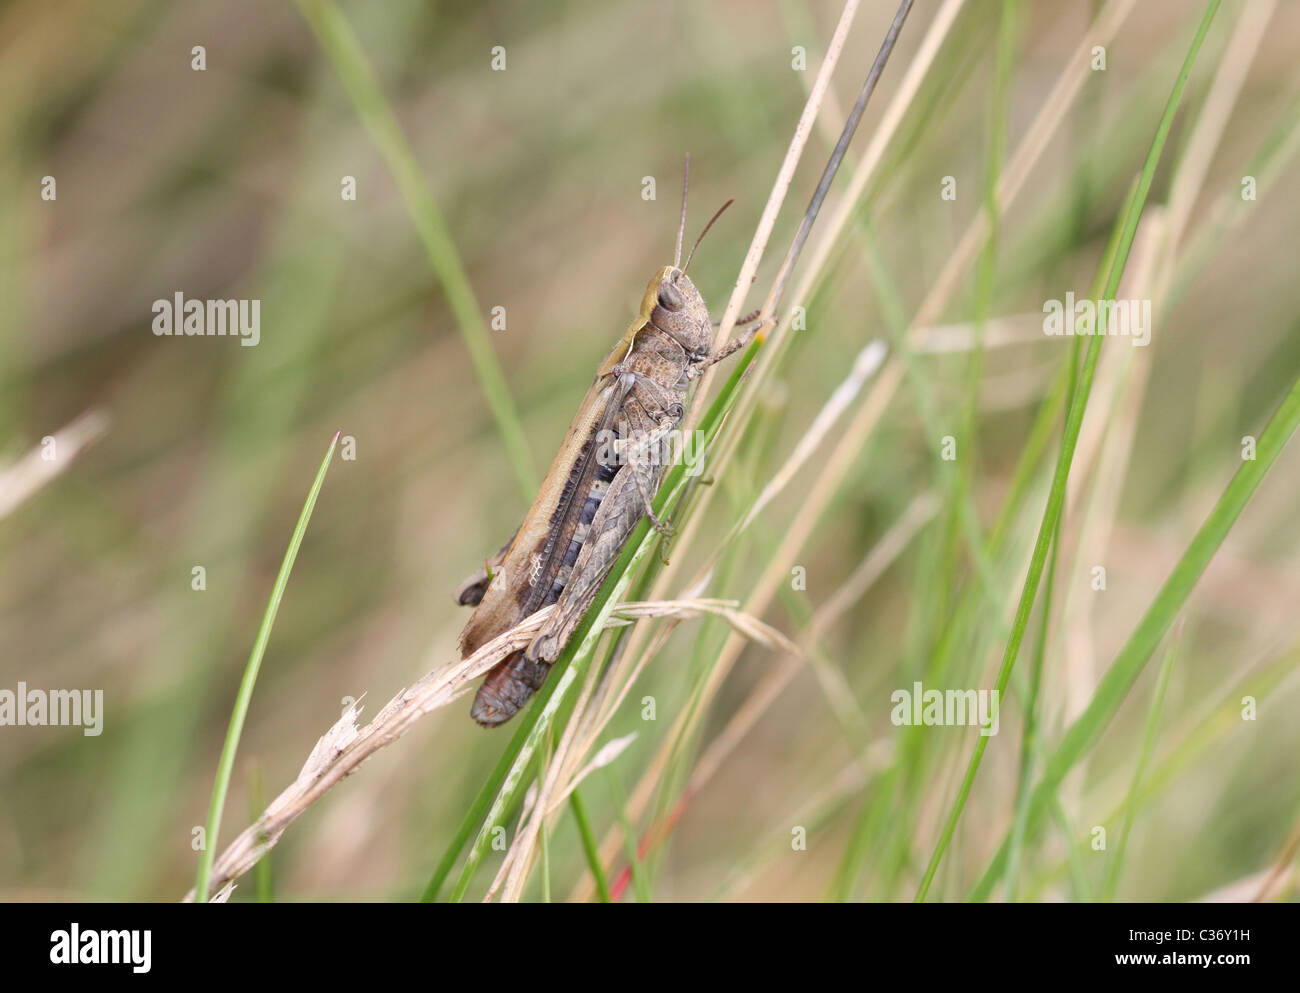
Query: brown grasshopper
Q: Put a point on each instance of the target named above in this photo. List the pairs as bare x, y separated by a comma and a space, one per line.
592, 498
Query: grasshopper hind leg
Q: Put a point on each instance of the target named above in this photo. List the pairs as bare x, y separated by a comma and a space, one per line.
507, 688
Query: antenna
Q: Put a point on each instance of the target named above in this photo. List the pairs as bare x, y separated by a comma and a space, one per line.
686, 181
704, 232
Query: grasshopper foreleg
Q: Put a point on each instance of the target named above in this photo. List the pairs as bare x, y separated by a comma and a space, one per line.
749, 318
730, 348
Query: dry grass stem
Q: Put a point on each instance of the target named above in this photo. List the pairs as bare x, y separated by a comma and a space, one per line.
23, 479
345, 746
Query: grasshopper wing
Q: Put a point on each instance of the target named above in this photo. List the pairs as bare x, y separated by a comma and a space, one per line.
620, 512
534, 557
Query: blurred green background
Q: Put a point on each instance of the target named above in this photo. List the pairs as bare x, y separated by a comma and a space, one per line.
225, 183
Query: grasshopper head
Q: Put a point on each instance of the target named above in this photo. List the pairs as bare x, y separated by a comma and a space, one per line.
674, 306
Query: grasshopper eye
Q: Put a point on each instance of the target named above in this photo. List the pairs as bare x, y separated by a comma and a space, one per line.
670, 298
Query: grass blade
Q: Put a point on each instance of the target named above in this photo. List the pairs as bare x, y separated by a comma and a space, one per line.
1074, 421
1128, 664
1140, 769
245, 695
344, 51
589, 848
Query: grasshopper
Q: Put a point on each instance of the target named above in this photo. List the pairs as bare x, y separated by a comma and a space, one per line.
592, 498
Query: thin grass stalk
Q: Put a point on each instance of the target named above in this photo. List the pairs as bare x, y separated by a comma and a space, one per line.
226, 764
1145, 751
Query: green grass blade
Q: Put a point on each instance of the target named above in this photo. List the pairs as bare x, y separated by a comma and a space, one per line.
1212, 728
483, 800
1029, 734
263, 882
636, 868
589, 846
1131, 659
1140, 769
340, 43
1074, 421
1078, 878
245, 695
